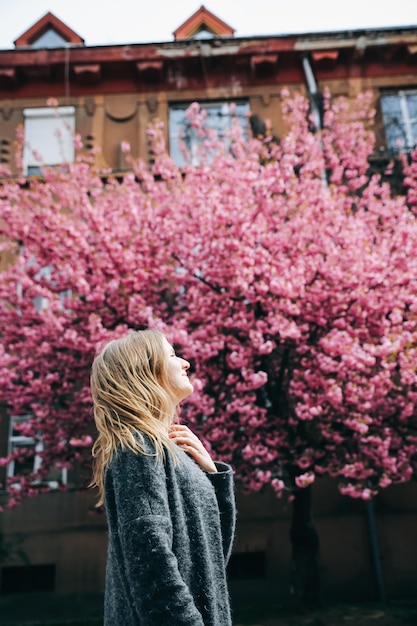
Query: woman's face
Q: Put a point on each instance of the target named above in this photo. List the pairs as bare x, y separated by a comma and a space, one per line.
176, 368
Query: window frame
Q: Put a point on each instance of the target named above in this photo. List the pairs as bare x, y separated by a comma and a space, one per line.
242, 111
57, 144
406, 123
23, 441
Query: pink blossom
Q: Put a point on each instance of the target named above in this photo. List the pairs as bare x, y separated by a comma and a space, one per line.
82, 442
78, 142
294, 301
385, 482
304, 480
304, 462
277, 485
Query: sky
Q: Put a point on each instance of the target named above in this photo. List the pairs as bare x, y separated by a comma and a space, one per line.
101, 22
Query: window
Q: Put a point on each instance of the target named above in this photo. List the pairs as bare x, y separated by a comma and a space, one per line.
27, 578
203, 33
40, 302
49, 39
246, 565
30, 459
44, 277
399, 111
49, 136
219, 118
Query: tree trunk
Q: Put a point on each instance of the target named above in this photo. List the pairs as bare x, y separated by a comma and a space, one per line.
305, 548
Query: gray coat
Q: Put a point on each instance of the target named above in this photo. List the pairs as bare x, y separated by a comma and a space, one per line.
171, 529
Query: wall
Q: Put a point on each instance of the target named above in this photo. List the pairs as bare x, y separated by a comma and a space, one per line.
63, 529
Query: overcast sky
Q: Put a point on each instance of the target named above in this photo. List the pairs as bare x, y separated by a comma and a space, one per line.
140, 21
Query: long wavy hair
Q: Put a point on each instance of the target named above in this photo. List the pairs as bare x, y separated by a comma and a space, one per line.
131, 398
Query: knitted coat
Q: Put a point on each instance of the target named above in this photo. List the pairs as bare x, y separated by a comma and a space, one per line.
171, 529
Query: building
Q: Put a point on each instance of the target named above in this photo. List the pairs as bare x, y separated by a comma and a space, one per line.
109, 95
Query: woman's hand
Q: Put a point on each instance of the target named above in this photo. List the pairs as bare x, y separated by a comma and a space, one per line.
191, 444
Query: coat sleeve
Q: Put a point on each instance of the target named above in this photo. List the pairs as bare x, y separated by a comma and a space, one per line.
222, 482
136, 496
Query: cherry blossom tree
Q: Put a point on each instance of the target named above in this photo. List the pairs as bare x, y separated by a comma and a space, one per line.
304, 325
283, 270
301, 305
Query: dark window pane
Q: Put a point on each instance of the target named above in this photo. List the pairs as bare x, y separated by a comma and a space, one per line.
246, 565
27, 578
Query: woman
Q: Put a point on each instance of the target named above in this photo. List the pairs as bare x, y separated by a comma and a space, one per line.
170, 508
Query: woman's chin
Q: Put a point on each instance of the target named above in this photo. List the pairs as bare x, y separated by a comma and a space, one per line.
190, 389
184, 392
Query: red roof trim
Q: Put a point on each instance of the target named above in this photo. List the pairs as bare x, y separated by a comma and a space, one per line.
49, 20
203, 17
331, 55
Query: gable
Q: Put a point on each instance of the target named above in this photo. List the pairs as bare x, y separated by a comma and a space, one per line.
48, 32
203, 24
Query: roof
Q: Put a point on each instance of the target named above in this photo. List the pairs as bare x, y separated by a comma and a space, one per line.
203, 19
47, 22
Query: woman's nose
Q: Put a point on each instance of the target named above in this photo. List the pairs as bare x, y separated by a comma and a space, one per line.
186, 364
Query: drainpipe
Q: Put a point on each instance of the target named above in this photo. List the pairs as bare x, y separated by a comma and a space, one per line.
312, 91
314, 94
67, 72
376, 557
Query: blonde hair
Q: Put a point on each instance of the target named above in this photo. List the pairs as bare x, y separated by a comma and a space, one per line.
131, 397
